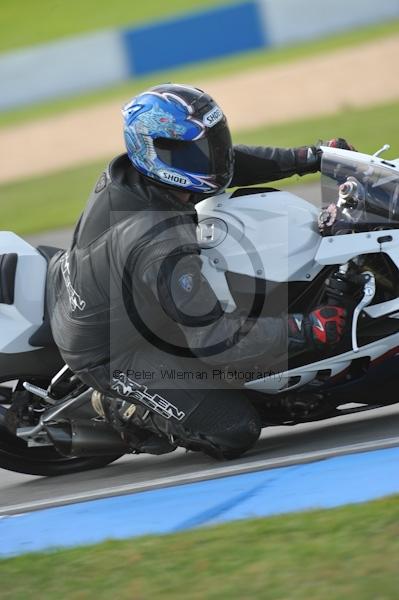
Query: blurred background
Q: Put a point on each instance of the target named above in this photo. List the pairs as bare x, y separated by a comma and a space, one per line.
286, 72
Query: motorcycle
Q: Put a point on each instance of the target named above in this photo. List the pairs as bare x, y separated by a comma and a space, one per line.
264, 252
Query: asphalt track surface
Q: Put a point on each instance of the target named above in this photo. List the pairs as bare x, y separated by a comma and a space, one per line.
278, 446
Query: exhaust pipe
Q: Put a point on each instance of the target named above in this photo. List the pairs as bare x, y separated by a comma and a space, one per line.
86, 438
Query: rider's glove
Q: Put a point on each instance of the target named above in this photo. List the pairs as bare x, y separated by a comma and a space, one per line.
327, 325
339, 143
308, 158
322, 328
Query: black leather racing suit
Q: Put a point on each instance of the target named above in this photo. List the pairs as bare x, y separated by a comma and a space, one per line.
134, 317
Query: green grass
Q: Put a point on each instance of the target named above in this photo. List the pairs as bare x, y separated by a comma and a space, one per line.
367, 128
47, 202
26, 22
56, 200
195, 73
346, 553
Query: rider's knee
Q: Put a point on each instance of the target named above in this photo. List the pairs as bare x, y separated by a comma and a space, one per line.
236, 441
224, 425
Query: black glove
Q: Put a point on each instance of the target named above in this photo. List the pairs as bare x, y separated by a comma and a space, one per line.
308, 158
322, 328
339, 143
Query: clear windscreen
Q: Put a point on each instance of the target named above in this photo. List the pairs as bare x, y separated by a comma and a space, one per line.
358, 193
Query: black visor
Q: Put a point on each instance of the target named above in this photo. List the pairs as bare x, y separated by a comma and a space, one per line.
210, 155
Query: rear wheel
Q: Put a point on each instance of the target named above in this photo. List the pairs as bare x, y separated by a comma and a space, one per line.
16, 456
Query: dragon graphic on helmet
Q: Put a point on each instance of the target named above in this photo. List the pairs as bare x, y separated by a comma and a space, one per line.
178, 136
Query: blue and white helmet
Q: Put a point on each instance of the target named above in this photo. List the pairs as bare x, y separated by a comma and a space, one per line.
178, 135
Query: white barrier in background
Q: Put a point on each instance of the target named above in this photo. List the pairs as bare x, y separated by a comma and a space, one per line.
98, 60
62, 68
290, 21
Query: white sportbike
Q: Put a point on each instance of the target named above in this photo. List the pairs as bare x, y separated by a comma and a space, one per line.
265, 252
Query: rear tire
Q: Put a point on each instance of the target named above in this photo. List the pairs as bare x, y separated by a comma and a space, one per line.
45, 461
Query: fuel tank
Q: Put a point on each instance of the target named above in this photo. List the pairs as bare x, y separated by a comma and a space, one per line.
267, 235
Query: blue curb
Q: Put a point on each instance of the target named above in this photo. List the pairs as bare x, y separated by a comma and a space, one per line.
323, 484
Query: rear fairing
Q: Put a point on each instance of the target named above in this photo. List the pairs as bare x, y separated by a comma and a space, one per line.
19, 320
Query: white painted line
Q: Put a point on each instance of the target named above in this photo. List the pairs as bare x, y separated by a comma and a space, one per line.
215, 473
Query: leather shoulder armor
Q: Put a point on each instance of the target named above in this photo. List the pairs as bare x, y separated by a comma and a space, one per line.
114, 196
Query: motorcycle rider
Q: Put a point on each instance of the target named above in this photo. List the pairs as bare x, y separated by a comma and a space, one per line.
128, 301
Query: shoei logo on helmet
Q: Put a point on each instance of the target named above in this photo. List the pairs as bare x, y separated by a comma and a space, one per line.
174, 178
213, 116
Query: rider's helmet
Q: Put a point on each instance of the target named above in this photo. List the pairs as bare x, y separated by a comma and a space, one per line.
178, 136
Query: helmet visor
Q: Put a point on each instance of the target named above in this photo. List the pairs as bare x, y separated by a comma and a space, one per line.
211, 155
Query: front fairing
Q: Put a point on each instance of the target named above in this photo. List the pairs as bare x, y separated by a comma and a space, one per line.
360, 193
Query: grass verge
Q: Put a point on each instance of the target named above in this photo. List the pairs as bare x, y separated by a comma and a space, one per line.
43, 203
348, 552
207, 70
29, 22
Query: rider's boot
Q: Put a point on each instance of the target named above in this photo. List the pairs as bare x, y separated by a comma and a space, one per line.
133, 423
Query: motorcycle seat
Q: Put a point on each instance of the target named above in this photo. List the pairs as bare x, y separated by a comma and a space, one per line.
8, 270
43, 336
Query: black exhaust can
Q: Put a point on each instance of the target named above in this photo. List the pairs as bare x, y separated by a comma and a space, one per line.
75, 438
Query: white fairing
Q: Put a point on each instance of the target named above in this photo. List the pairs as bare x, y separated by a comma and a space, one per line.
277, 383
274, 236
21, 319
270, 235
